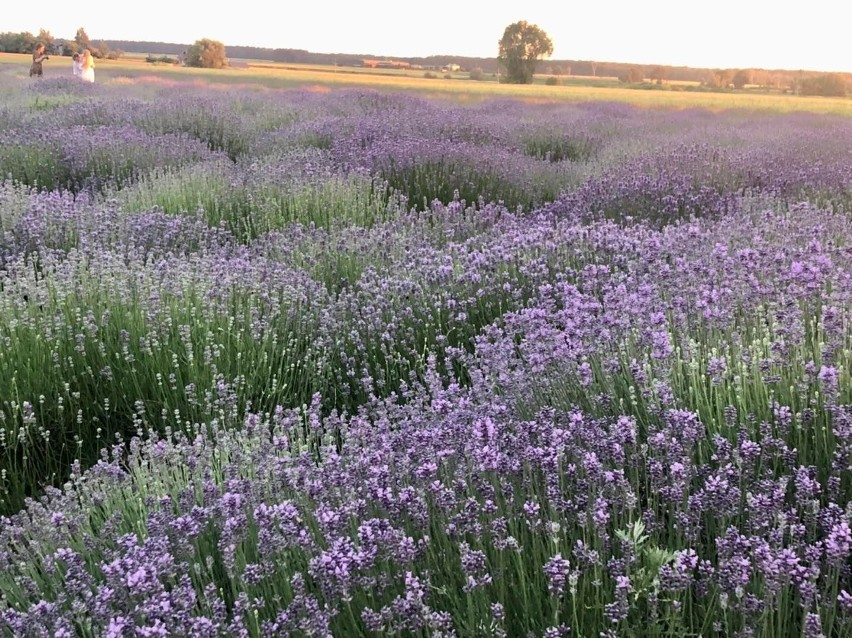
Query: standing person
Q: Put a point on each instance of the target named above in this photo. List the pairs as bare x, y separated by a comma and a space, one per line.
76, 69
38, 57
87, 66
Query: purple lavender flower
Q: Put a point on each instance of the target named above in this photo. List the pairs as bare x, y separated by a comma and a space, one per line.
556, 570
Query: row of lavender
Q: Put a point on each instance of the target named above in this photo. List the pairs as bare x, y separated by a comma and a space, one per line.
625, 410
284, 154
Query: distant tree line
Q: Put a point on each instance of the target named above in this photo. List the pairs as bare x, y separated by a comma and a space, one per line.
831, 84
794, 81
25, 42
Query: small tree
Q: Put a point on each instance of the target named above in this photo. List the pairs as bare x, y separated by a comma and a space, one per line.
741, 78
82, 40
632, 75
521, 47
659, 74
69, 47
207, 54
719, 78
47, 39
101, 49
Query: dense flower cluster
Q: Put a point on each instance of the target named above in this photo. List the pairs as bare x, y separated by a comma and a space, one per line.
361, 364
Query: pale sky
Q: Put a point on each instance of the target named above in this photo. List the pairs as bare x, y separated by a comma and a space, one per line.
774, 34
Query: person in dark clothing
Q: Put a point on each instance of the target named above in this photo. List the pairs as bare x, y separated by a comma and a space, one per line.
38, 57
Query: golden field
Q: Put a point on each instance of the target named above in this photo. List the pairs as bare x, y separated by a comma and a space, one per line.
260, 75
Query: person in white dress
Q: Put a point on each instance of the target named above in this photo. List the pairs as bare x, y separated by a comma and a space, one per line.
87, 66
76, 69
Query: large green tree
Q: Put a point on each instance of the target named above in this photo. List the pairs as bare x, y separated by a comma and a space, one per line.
207, 53
521, 47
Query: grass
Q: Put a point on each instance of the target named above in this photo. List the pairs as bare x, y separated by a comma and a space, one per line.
278, 75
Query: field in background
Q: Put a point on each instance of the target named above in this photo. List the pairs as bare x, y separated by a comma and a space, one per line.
261, 74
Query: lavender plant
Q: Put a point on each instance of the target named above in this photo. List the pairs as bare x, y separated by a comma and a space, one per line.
360, 364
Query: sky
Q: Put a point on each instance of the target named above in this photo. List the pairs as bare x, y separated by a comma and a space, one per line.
812, 35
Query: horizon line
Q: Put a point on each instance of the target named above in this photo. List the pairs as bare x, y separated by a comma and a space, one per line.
473, 57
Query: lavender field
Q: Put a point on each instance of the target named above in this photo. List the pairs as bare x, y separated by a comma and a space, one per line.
353, 363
